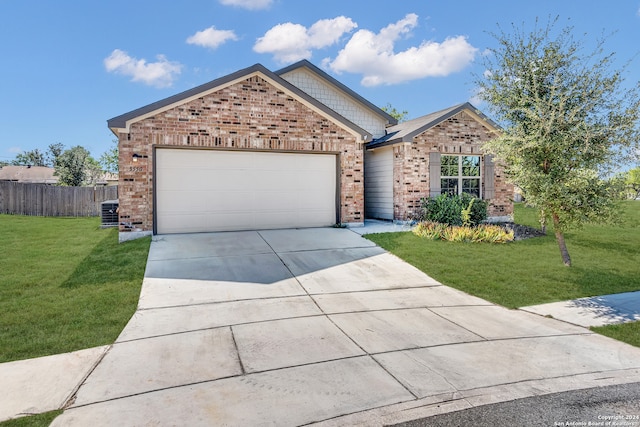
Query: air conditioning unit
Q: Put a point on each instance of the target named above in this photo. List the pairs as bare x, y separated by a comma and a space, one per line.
109, 213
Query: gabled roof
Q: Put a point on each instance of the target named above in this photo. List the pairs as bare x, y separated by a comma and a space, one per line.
406, 131
28, 174
326, 77
122, 122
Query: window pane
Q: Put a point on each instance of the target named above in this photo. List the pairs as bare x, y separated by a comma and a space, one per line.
471, 166
449, 186
449, 166
471, 186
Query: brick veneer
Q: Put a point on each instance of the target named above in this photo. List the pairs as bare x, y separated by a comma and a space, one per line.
249, 115
460, 134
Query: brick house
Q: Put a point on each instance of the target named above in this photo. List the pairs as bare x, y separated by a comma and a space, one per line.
259, 149
434, 154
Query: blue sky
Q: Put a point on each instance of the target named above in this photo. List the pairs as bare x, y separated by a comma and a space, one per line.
69, 65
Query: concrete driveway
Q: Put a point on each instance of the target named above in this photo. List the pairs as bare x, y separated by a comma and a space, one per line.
295, 327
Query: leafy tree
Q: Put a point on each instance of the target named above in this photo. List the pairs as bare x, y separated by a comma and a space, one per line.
109, 159
54, 152
33, 158
632, 181
38, 158
93, 171
400, 116
566, 118
72, 166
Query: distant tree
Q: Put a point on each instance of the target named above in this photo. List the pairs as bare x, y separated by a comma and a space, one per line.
93, 171
73, 166
109, 159
53, 153
33, 158
632, 181
400, 116
566, 120
38, 158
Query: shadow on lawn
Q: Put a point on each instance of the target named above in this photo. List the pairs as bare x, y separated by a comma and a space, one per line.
110, 262
594, 281
623, 248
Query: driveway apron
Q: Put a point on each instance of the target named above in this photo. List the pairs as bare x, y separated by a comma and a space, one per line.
303, 326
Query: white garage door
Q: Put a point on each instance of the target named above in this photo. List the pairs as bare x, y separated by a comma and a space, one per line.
210, 190
378, 183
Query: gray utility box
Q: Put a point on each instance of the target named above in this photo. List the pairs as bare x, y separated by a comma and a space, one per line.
109, 213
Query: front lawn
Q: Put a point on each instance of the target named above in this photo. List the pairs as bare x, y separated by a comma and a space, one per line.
606, 260
40, 420
65, 284
627, 332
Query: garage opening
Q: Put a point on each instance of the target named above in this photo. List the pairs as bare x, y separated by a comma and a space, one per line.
217, 190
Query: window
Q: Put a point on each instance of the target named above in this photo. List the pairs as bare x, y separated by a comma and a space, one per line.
460, 174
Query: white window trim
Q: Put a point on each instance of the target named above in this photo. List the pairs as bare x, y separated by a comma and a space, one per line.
460, 177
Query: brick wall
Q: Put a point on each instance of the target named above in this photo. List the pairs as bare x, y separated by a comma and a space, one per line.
460, 134
250, 115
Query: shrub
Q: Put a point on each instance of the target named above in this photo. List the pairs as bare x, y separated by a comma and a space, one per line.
454, 233
493, 234
430, 230
465, 214
454, 210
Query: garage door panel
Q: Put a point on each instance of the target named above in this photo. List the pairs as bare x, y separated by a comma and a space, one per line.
276, 179
172, 178
278, 220
280, 201
317, 181
183, 223
182, 202
230, 221
278, 161
207, 190
310, 201
318, 162
228, 201
312, 215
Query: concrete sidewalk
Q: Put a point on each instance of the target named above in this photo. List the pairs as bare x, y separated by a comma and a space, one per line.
292, 327
593, 311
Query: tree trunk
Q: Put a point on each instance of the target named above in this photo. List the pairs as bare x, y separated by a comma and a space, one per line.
543, 221
566, 259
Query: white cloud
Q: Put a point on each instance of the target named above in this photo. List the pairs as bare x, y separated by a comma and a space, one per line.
14, 150
159, 74
291, 42
373, 55
248, 4
211, 37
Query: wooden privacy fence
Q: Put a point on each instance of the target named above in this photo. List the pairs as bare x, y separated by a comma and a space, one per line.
48, 200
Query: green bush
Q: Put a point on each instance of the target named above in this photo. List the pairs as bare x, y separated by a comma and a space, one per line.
453, 210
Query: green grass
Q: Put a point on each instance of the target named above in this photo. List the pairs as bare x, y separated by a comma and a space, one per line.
626, 332
606, 260
65, 284
40, 420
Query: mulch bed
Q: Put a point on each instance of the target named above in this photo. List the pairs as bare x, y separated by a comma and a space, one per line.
521, 232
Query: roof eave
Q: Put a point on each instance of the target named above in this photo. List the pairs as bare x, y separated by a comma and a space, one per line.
408, 137
121, 123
